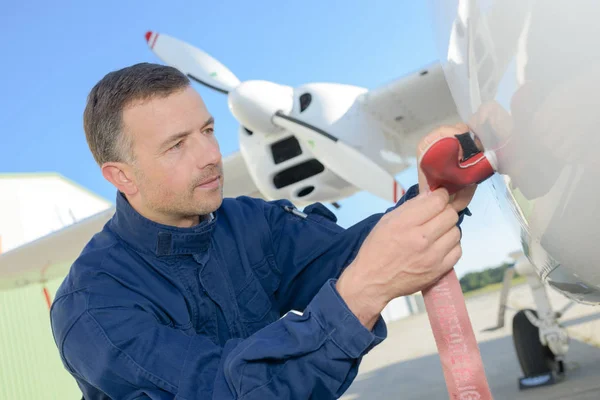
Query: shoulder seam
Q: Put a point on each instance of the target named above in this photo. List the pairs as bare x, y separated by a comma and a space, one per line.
67, 294
64, 339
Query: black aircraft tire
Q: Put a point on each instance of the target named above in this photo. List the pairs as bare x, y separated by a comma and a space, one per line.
534, 358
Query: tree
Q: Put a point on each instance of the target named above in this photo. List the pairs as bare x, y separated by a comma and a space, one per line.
477, 280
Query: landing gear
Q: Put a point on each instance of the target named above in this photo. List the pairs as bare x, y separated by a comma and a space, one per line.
539, 364
540, 342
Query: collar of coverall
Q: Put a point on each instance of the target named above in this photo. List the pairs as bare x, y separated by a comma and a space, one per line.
161, 240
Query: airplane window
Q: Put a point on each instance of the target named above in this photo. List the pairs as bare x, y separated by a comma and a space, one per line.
305, 100
248, 131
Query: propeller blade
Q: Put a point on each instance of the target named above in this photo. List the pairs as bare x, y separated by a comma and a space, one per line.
192, 61
344, 160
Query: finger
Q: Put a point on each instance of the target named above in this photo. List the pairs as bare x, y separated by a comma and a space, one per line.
423, 184
449, 260
424, 207
461, 126
446, 243
463, 197
452, 258
439, 225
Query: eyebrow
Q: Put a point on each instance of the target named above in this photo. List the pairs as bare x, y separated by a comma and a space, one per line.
183, 134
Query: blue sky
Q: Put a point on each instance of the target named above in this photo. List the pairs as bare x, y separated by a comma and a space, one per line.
54, 52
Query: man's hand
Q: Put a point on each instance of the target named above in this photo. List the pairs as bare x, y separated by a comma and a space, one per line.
408, 250
461, 199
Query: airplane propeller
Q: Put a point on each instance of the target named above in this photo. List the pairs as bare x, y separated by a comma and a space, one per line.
265, 107
192, 61
251, 102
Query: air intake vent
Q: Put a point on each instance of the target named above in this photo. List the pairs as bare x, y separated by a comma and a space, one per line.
285, 149
297, 173
306, 191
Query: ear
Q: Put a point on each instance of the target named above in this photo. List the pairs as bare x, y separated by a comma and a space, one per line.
121, 176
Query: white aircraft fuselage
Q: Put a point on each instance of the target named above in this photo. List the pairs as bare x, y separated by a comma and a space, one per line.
525, 76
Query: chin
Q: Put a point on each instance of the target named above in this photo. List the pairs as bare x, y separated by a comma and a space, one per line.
216, 204
210, 202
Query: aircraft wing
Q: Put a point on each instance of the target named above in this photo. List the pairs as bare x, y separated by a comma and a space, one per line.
238, 181
52, 254
410, 107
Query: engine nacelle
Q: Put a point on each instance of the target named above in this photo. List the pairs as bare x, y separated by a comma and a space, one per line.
283, 166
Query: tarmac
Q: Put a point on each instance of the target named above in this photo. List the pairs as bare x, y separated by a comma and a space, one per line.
406, 365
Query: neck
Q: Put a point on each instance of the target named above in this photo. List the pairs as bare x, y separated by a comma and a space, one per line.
178, 221
175, 220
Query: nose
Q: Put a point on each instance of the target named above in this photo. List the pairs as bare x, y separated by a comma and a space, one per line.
208, 152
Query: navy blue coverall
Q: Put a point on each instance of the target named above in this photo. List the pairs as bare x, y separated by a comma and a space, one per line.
154, 311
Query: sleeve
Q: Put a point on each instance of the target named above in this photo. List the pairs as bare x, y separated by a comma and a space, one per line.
310, 248
126, 353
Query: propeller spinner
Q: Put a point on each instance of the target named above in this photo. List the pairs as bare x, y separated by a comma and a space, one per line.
254, 103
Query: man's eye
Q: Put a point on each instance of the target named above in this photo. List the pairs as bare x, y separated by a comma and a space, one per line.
210, 131
177, 145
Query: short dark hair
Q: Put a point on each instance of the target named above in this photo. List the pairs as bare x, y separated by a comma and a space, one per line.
103, 115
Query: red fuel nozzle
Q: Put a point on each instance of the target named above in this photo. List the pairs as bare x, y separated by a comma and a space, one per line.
443, 167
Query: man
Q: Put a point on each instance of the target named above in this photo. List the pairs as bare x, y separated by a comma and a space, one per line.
187, 295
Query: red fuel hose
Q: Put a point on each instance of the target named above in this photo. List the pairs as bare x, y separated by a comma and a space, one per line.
459, 353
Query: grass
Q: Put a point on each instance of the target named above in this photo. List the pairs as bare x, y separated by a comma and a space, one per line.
494, 287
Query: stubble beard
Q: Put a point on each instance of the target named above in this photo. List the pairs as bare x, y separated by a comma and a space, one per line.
163, 201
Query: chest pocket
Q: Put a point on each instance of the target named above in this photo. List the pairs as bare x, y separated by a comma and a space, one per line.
255, 299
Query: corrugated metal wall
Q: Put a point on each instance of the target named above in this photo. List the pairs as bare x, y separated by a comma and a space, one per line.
30, 367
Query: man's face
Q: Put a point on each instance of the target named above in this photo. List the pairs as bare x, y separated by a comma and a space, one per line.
178, 167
